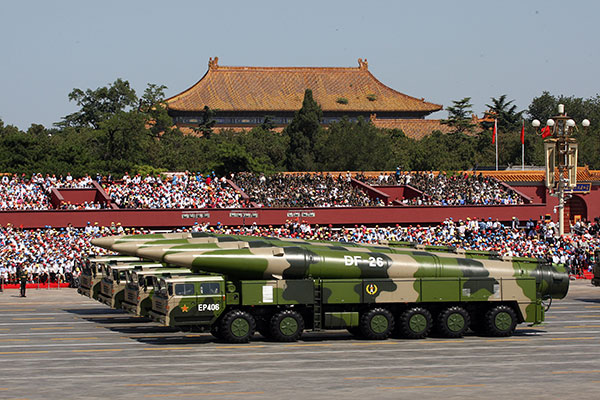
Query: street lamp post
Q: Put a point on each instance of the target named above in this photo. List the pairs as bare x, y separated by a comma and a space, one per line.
565, 147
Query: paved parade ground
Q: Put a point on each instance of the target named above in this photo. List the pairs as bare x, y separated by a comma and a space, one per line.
56, 344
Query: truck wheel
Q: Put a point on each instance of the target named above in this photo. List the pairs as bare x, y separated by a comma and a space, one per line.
500, 321
415, 323
237, 327
376, 324
453, 322
286, 326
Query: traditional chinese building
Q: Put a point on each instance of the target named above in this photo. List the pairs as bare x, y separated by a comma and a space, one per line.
243, 97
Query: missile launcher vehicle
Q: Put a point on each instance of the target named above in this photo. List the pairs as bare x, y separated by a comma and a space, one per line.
140, 288
93, 272
596, 269
282, 287
112, 286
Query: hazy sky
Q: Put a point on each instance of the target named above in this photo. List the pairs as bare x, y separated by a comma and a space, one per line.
439, 50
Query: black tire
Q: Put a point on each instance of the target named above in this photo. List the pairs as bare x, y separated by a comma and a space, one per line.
452, 322
237, 327
415, 323
286, 326
376, 324
500, 321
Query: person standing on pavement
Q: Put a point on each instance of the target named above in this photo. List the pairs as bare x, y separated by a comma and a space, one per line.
23, 276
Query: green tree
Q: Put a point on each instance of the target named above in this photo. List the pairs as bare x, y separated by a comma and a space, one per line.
267, 147
100, 104
152, 103
509, 119
207, 122
302, 133
355, 146
124, 140
459, 116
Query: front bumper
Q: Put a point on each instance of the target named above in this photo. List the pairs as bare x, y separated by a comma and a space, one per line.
131, 308
160, 318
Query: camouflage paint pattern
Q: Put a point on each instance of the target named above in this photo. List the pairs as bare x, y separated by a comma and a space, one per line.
138, 298
596, 269
93, 272
112, 288
189, 302
343, 278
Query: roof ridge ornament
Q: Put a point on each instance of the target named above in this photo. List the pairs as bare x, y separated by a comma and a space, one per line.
213, 63
363, 64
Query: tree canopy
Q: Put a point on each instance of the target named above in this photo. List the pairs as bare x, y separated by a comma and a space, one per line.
114, 131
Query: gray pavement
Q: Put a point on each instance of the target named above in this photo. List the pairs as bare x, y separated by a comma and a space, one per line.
56, 344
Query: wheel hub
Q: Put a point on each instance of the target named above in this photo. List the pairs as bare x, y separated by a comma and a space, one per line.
456, 322
503, 321
240, 327
288, 326
379, 324
417, 323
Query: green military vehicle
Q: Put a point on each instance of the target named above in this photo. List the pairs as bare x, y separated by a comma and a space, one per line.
280, 287
371, 294
187, 301
93, 272
596, 269
140, 288
112, 286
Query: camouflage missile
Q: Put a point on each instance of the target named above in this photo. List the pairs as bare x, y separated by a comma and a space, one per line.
108, 241
298, 263
132, 248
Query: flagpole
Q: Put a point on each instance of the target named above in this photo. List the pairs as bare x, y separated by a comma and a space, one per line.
496, 137
523, 147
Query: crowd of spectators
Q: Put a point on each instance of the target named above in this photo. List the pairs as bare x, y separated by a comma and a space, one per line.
303, 190
56, 254
19, 193
49, 254
179, 191
189, 190
441, 189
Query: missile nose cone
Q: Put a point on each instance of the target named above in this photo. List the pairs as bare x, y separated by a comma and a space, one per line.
104, 242
152, 253
126, 248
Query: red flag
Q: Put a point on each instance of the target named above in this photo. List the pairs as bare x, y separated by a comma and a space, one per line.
523, 133
546, 132
495, 130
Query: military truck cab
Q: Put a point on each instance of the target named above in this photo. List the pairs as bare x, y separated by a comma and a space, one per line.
93, 272
139, 289
596, 269
112, 286
188, 301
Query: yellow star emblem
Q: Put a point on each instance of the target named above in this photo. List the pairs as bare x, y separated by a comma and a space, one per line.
184, 308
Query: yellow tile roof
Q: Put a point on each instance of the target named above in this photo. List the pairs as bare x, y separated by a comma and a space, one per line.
583, 175
227, 88
412, 128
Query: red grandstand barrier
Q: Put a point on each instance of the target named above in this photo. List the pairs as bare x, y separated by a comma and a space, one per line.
36, 286
338, 216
